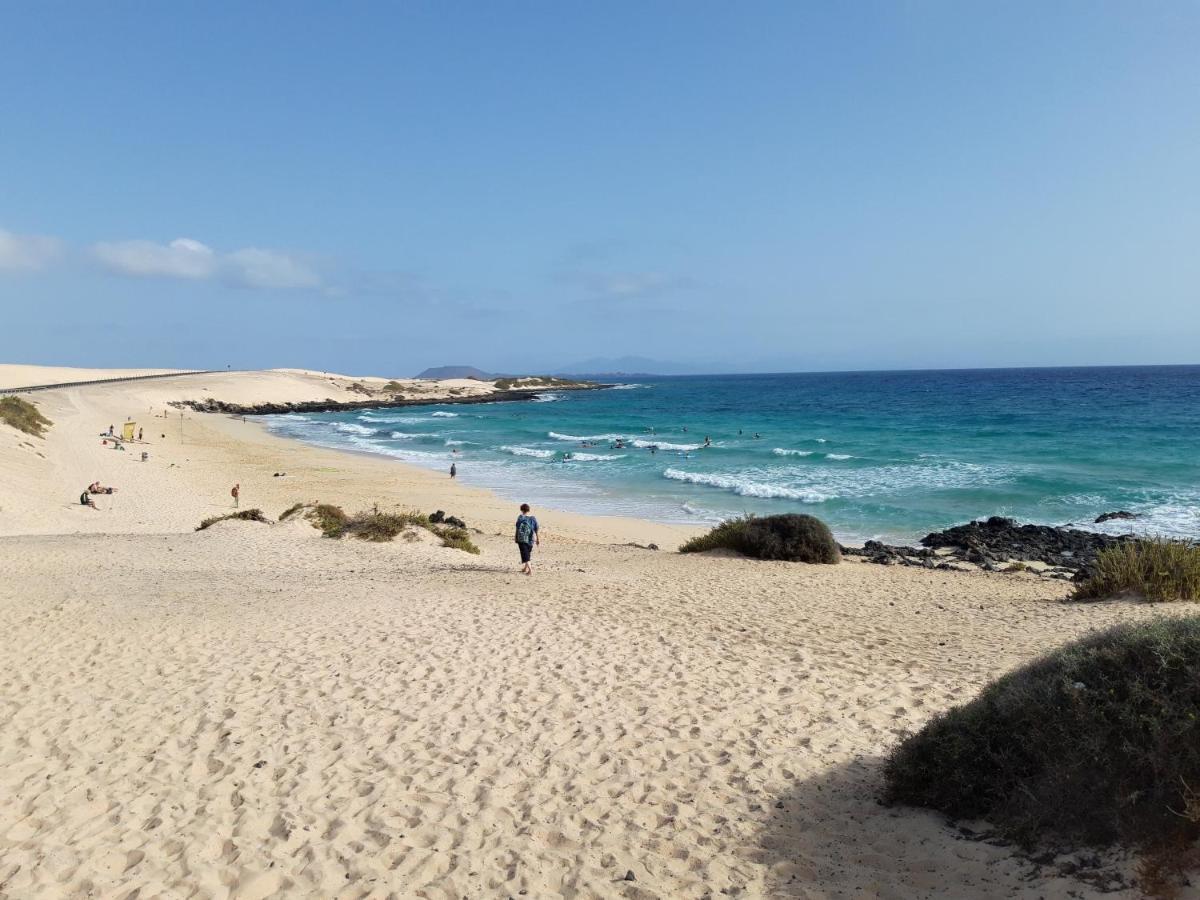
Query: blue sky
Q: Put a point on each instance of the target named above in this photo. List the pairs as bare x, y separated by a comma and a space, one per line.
376, 188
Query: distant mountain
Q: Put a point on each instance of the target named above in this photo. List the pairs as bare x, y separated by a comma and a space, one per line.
440, 373
627, 365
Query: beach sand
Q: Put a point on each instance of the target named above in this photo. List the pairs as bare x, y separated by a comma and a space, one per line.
255, 710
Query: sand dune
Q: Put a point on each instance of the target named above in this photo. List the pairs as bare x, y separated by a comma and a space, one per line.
254, 710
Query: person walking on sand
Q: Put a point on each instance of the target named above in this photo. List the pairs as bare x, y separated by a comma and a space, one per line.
526, 537
237, 489
453, 470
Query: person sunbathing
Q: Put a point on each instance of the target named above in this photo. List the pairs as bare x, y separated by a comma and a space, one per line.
98, 488
86, 500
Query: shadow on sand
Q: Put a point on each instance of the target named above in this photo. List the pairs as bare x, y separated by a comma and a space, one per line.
831, 836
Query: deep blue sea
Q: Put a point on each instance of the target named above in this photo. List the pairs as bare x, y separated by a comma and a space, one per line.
888, 455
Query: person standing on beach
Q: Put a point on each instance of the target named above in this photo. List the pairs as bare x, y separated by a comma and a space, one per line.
453, 470
526, 537
237, 489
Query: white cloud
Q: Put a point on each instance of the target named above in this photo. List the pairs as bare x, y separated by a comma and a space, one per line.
267, 269
182, 258
189, 259
27, 251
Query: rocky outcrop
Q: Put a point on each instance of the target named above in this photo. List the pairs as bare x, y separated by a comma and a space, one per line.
994, 544
1119, 514
439, 517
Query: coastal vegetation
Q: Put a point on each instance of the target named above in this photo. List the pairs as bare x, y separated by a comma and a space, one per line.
538, 382
1154, 569
793, 537
246, 515
1094, 744
23, 416
373, 525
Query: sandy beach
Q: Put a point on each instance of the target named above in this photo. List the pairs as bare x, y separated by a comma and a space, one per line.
255, 710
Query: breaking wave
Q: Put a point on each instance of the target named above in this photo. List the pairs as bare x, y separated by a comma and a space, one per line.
583, 437
529, 451
745, 487
783, 451
352, 428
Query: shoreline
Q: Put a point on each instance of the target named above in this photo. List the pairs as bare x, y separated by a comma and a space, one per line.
263, 711
188, 477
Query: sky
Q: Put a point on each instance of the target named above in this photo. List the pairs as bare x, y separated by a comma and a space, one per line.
374, 188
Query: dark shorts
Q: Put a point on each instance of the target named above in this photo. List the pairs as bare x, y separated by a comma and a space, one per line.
526, 551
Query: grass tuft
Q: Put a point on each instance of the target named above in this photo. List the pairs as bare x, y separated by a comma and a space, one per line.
246, 515
292, 510
23, 416
377, 526
1153, 569
793, 537
1094, 744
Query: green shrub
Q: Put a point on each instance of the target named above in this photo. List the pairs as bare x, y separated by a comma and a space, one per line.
1096, 743
374, 525
1153, 569
793, 537
23, 416
246, 515
377, 526
455, 538
393, 387
330, 519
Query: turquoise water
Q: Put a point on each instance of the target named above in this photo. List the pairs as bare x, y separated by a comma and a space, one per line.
888, 455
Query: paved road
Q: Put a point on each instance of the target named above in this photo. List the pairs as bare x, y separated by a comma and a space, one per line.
67, 384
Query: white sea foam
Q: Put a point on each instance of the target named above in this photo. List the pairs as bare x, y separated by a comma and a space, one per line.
409, 435
397, 452
453, 443
783, 451
596, 457
838, 456
627, 387
547, 398
583, 437
352, 428
393, 420
663, 445
747, 488
529, 451
445, 415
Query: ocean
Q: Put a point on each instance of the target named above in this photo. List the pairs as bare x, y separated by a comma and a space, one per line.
883, 455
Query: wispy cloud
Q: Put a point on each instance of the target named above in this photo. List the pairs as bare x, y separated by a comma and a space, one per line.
27, 251
625, 285
185, 258
182, 258
255, 268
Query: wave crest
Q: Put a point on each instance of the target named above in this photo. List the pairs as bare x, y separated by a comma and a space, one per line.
745, 487
528, 451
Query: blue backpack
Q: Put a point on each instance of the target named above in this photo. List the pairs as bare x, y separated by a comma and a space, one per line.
524, 530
